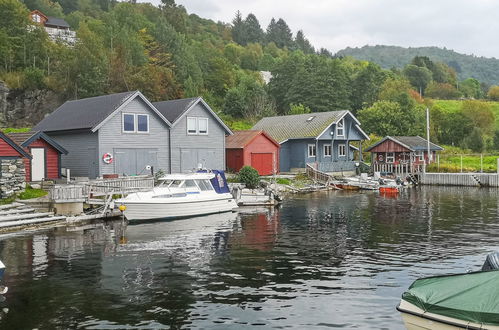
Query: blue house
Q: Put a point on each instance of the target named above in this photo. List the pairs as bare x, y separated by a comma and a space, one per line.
321, 139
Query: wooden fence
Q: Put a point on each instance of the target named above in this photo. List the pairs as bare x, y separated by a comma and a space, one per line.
397, 169
317, 175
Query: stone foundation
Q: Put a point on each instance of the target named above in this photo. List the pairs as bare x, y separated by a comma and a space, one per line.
12, 177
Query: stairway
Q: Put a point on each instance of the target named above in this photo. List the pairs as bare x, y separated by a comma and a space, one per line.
19, 214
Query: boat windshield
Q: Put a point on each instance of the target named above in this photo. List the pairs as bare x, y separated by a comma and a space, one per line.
172, 183
204, 185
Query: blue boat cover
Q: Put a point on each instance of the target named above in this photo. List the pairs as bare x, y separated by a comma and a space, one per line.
219, 182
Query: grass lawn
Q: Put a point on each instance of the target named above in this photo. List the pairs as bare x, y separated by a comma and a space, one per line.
451, 106
471, 163
30, 193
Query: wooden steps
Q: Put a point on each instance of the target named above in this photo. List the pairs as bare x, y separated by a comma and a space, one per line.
19, 215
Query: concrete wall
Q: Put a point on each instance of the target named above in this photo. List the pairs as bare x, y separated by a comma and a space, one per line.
189, 150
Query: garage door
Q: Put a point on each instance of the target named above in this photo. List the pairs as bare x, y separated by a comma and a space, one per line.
262, 162
134, 161
191, 158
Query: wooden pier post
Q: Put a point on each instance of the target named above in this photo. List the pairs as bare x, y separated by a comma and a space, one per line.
481, 163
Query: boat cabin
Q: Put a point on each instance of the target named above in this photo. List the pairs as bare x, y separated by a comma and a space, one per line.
402, 154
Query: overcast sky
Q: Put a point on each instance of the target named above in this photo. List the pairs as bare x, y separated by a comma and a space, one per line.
466, 26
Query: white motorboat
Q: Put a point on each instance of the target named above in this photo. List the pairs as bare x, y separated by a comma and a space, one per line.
181, 195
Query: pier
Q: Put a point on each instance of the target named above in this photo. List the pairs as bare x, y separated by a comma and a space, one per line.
460, 179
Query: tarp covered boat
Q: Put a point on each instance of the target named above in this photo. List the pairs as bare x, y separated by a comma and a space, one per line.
468, 301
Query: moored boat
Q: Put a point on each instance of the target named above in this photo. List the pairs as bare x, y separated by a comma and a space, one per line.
389, 189
468, 301
181, 195
3, 288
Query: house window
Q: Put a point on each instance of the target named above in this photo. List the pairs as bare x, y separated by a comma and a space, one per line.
340, 128
327, 150
203, 125
390, 157
197, 125
143, 123
341, 150
420, 155
311, 150
128, 123
192, 125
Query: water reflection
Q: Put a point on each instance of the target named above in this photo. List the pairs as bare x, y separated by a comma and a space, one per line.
330, 259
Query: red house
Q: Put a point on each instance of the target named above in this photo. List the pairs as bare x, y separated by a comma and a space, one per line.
402, 154
254, 148
45, 160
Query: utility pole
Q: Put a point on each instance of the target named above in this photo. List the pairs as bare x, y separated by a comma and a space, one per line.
428, 134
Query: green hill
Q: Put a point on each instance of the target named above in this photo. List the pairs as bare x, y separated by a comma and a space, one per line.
484, 69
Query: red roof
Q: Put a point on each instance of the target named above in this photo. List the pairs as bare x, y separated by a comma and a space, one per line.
240, 139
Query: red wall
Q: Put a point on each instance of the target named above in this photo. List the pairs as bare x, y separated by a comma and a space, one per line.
7, 150
51, 161
389, 146
234, 159
261, 145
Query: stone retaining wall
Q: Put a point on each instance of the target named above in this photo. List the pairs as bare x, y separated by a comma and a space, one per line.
12, 176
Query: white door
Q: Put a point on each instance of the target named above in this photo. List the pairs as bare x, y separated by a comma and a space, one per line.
38, 164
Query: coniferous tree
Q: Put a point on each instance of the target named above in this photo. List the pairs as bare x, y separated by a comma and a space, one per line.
254, 33
280, 33
239, 29
303, 44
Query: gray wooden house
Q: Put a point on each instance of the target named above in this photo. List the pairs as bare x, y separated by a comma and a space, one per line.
119, 133
197, 135
124, 133
321, 139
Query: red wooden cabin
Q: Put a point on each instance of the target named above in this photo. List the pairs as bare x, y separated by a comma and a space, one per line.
254, 148
45, 161
402, 154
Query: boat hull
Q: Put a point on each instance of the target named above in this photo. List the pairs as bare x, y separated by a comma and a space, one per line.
416, 319
144, 210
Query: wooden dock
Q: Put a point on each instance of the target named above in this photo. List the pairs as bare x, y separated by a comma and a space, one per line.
460, 179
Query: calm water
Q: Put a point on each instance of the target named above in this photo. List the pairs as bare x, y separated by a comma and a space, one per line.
334, 259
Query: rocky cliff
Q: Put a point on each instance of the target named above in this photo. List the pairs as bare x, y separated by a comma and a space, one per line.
25, 108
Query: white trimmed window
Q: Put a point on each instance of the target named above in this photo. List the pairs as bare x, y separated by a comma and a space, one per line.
128, 123
203, 126
135, 123
311, 150
342, 152
197, 126
340, 128
390, 157
420, 155
327, 150
143, 123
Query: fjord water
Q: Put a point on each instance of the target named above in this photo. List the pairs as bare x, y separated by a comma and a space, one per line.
330, 259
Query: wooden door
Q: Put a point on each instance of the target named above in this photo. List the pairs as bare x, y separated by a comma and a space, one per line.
38, 164
262, 162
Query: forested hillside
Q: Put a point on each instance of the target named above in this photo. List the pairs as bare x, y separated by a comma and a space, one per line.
483, 69
167, 54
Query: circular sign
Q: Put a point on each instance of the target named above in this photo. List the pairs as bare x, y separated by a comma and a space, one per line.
107, 158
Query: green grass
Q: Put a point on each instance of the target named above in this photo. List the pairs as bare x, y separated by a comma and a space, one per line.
283, 181
8, 200
451, 163
451, 106
30, 193
8, 130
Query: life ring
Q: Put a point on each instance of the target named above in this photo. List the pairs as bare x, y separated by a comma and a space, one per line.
107, 158
380, 158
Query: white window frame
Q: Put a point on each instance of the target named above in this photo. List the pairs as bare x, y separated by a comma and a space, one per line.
324, 148
195, 125
137, 123
342, 146
420, 156
198, 121
311, 147
123, 123
340, 126
390, 157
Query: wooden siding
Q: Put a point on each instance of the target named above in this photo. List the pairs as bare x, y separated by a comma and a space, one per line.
81, 146
112, 138
389, 146
7, 151
51, 160
212, 144
234, 159
262, 145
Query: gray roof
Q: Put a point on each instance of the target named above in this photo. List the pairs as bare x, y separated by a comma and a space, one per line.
56, 21
172, 110
308, 125
82, 114
413, 143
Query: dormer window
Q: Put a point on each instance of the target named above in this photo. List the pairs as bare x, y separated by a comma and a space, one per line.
340, 128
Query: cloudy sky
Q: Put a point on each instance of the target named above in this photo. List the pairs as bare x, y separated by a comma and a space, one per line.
466, 26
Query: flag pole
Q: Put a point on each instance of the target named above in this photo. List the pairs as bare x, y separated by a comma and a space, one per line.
428, 134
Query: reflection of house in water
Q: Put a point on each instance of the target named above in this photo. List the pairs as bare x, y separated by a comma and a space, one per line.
260, 230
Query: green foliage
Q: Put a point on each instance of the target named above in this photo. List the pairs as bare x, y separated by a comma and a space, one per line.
16, 130
249, 176
298, 109
419, 77
284, 181
30, 193
280, 33
493, 93
480, 115
474, 140
441, 91
471, 88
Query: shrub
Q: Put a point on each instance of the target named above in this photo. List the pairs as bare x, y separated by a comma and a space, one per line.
249, 176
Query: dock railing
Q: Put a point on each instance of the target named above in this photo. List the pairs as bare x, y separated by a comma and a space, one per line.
317, 175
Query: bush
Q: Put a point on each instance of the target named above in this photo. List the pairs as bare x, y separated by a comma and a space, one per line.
249, 176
